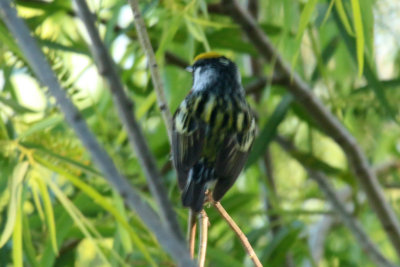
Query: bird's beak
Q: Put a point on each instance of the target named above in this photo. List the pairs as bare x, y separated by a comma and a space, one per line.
189, 69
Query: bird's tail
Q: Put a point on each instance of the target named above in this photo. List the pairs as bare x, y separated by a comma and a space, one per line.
194, 193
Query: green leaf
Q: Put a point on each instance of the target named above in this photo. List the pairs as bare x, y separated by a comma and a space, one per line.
358, 24
48, 208
146, 105
269, 130
275, 252
15, 106
197, 32
123, 233
41, 125
306, 17
386, 84
14, 204
369, 73
17, 254
327, 53
76, 216
368, 20
343, 17
64, 224
221, 258
169, 31
85, 168
8, 40
328, 12
28, 247
75, 48
102, 202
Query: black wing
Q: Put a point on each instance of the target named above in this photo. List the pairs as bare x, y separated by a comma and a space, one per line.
231, 159
187, 142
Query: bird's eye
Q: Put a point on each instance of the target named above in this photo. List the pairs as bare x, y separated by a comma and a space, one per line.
224, 61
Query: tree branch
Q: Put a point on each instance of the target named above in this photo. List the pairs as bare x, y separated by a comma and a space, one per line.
155, 74
42, 70
242, 237
346, 217
192, 232
124, 105
203, 218
324, 118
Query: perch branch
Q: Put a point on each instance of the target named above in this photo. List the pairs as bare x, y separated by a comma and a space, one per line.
173, 59
330, 124
346, 217
175, 247
124, 105
155, 74
242, 237
203, 219
192, 232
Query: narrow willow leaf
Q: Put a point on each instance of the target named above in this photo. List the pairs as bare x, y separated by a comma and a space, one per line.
221, 258
15, 106
28, 245
368, 19
7, 39
388, 84
72, 211
36, 199
328, 12
208, 23
327, 53
64, 225
102, 202
288, 15
17, 254
75, 48
275, 252
43, 124
269, 130
198, 33
306, 17
169, 31
15, 197
358, 24
146, 105
369, 72
38, 148
123, 233
343, 17
48, 208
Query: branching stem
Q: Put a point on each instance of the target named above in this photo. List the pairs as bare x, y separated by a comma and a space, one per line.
203, 237
242, 237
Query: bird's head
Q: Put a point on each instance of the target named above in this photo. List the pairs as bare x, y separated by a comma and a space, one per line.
212, 67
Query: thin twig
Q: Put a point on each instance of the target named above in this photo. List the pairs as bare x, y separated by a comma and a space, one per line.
173, 59
330, 124
242, 237
42, 70
192, 232
124, 105
352, 224
203, 237
155, 74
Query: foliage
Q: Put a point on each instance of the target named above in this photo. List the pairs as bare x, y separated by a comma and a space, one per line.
57, 210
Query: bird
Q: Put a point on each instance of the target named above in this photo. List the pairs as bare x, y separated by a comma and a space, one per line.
213, 131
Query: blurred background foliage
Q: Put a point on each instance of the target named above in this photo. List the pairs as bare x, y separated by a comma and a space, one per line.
56, 210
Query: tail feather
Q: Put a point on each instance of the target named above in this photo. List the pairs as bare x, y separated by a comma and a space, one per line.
193, 194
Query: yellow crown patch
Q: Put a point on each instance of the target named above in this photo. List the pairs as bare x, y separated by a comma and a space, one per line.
207, 55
